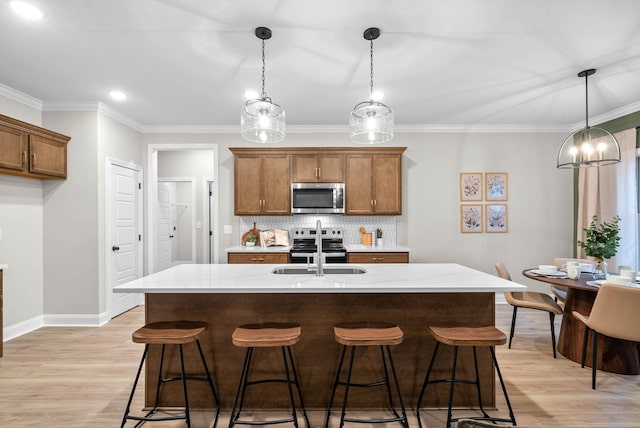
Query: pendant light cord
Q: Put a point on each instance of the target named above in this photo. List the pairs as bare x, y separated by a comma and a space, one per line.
586, 101
371, 69
263, 95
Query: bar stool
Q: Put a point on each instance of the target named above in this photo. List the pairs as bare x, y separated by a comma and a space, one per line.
267, 335
359, 334
170, 333
466, 336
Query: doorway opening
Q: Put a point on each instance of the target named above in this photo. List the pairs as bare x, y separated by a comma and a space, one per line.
199, 162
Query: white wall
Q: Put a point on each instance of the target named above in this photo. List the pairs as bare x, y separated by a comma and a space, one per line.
21, 247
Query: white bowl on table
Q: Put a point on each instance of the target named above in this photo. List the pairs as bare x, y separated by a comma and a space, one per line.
547, 269
618, 280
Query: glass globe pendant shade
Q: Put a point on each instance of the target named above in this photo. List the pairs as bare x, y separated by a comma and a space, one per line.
590, 146
263, 121
371, 122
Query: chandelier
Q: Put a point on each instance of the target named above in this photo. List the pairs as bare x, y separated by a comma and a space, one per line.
589, 146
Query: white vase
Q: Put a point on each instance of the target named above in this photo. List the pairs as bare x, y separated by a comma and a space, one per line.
380, 242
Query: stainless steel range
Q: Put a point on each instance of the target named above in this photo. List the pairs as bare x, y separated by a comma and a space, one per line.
304, 248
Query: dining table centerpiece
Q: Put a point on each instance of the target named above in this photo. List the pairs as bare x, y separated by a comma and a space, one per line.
602, 241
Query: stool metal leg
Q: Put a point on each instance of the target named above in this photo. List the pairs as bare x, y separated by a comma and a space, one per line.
184, 387
346, 386
210, 381
453, 383
426, 382
297, 383
512, 417
403, 419
133, 389
241, 388
335, 386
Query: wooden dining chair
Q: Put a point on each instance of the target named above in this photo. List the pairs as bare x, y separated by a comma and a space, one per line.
531, 300
560, 291
614, 314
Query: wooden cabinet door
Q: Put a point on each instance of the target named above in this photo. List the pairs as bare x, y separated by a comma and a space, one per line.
257, 258
13, 149
317, 168
247, 184
276, 194
378, 257
358, 185
304, 168
387, 184
330, 168
47, 157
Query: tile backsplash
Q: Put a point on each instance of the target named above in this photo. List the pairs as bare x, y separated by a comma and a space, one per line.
350, 224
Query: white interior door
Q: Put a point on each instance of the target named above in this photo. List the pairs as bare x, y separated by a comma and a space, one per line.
164, 227
126, 239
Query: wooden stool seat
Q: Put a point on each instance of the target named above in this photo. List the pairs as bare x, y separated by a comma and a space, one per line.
170, 332
468, 336
367, 333
266, 335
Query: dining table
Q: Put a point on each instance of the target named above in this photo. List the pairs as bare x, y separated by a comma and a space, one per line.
614, 355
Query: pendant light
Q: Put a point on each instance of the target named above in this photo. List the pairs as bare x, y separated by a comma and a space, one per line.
371, 121
262, 121
589, 146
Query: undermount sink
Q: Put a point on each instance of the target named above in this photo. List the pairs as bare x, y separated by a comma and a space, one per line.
329, 270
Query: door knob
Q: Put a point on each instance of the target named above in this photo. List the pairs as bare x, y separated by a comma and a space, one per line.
115, 248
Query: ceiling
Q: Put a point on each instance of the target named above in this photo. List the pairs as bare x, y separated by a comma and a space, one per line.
492, 63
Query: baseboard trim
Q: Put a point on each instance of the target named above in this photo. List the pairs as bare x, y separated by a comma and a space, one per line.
75, 320
24, 327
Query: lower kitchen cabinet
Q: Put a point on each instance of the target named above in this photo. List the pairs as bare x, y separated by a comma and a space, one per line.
257, 258
373, 257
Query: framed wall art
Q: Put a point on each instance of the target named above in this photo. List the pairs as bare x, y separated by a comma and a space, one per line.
471, 218
470, 186
496, 218
496, 186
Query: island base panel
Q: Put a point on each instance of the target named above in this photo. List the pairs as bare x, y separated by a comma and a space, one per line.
317, 353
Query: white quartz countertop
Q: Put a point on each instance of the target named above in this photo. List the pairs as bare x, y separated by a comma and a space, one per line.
257, 249
350, 248
377, 249
379, 278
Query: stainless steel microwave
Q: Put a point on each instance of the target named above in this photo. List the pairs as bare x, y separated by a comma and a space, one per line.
317, 198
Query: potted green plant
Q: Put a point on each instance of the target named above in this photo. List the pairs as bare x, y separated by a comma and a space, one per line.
251, 240
602, 241
379, 240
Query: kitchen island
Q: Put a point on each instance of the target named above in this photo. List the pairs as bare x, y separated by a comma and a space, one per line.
410, 295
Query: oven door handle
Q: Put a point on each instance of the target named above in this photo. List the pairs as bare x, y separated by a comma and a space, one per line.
305, 255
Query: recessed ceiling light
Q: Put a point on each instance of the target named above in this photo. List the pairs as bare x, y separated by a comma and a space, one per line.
117, 95
251, 94
26, 10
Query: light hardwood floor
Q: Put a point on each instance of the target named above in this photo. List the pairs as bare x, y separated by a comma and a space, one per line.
81, 377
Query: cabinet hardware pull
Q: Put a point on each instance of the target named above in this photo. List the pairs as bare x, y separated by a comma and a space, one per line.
375, 204
115, 248
319, 172
24, 158
256, 259
33, 159
378, 259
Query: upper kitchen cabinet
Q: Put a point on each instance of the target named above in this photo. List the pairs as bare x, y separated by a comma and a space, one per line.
261, 183
317, 168
373, 184
30, 151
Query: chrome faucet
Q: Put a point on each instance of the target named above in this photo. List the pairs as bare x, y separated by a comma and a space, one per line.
319, 270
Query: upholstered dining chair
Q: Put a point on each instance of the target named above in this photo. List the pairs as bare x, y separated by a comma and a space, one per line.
531, 300
560, 291
614, 314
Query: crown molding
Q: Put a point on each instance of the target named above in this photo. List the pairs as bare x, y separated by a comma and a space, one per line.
93, 106
20, 97
610, 115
